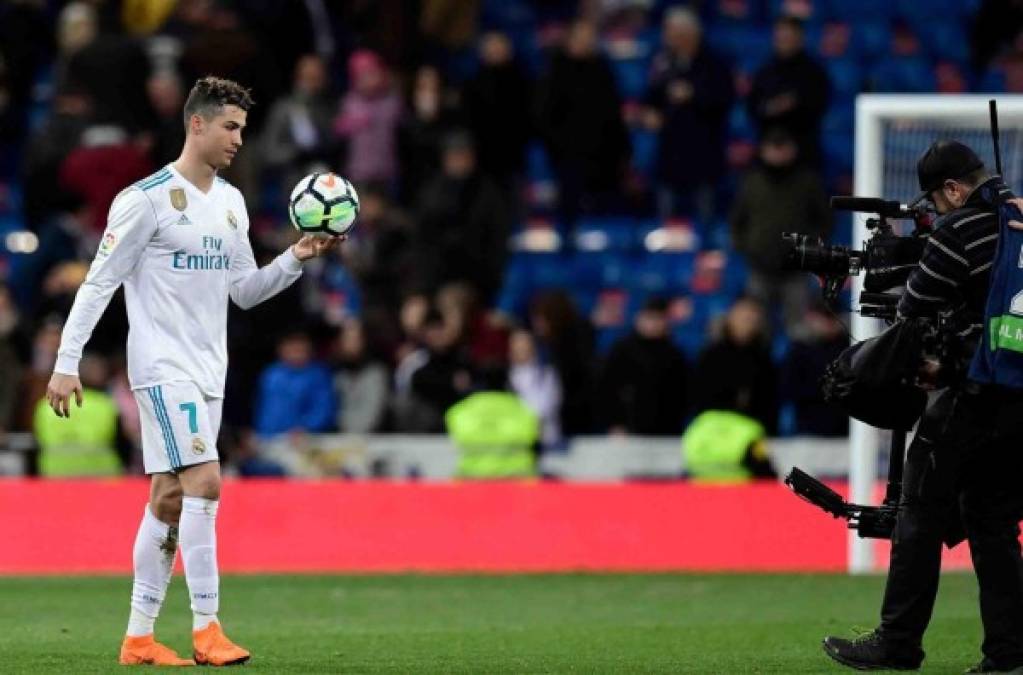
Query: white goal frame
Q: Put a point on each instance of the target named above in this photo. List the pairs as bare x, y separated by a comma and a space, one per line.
872, 110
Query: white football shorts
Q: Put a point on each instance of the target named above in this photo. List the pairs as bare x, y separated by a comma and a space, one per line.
179, 426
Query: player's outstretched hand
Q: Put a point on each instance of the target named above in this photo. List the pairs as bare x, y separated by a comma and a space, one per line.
310, 247
59, 390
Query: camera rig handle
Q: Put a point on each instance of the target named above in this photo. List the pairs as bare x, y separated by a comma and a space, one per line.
874, 522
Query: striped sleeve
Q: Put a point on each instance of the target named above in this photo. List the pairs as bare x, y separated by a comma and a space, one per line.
957, 252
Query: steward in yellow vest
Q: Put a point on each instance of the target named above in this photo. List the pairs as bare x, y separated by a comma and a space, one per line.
81, 445
725, 446
495, 433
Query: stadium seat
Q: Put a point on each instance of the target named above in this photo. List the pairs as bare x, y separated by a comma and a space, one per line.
526, 274
904, 75
740, 42
644, 151
871, 39
631, 77
846, 78
860, 10
945, 41
665, 274
605, 233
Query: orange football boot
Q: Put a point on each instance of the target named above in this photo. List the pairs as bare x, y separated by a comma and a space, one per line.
213, 648
145, 651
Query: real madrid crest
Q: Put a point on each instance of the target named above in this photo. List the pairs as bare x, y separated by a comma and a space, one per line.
178, 198
198, 447
231, 220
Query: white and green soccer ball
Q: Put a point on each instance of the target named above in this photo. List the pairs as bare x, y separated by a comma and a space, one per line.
323, 204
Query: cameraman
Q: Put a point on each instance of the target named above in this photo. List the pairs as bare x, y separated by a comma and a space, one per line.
955, 464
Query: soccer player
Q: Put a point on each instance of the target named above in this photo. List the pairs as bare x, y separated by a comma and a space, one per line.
179, 242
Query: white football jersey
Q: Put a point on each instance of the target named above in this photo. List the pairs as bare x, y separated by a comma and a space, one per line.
180, 254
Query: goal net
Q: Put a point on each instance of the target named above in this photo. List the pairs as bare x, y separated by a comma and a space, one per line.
892, 131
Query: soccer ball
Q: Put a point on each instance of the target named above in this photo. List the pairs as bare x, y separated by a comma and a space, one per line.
323, 204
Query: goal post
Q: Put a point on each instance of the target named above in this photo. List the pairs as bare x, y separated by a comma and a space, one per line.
892, 131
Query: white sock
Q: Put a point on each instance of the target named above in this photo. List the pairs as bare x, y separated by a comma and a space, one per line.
198, 536
153, 558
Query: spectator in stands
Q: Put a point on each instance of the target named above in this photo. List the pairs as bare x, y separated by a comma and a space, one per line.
537, 384
996, 31
823, 339
296, 393
735, 372
105, 163
566, 340
580, 120
368, 120
688, 101
12, 354
47, 149
40, 365
464, 222
642, 388
791, 90
778, 195
445, 378
360, 382
297, 137
380, 255
483, 337
64, 237
498, 105
111, 68
167, 99
432, 115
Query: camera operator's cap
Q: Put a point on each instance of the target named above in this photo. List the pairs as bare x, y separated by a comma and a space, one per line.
944, 160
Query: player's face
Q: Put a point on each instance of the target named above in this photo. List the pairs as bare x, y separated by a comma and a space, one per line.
222, 136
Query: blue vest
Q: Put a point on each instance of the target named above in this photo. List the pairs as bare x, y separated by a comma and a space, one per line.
999, 356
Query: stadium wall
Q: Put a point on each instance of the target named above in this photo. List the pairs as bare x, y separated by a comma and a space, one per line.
88, 526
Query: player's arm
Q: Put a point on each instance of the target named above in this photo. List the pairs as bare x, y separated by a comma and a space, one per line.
130, 226
251, 284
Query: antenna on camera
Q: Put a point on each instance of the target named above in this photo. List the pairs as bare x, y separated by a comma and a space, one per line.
993, 108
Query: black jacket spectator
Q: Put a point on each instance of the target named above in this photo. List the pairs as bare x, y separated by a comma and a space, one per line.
791, 90
735, 372
691, 89
464, 223
497, 104
643, 385
580, 119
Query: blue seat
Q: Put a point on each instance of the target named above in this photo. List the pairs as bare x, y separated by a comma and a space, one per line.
598, 271
846, 77
538, 163
945, 41
993, 80
631, 77
644, 150
904, 75
527, 274
605, 233
739, 123
859, 10
871, 39
740, 41
665, 274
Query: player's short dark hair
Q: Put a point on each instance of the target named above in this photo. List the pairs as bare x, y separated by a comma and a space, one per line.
975, 177
210, 94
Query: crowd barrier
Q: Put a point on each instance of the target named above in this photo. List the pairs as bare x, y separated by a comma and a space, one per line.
88, 526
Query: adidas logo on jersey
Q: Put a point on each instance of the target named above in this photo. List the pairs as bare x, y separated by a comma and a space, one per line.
183, 220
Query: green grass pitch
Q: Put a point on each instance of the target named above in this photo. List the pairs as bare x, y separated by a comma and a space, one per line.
599, 623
